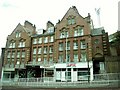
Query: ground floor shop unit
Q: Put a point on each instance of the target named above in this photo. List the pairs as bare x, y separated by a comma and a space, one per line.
57, 72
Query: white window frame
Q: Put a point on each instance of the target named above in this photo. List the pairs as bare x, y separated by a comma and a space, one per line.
23, 54
39, 59
39, 50
75, 45
51, 39
51, 49
45, 39
34, 50
82, 44
60, 46
45, 50
60, 58
75, 57
83, 57
35, 41
18, 54
40, 40
18, 34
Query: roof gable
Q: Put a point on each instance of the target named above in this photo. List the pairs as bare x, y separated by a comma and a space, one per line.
18, 28
71, 12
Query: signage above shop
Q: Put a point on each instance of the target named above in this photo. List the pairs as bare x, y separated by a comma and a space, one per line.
71, 65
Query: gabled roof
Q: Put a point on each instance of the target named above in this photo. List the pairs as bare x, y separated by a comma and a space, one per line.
18, 26
21, 27
72, 9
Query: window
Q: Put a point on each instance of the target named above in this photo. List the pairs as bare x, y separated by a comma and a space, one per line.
83, 45
60, 46
12, 59
23, 59
45, 39
96, 41
8, 60
39, 50
51, 60
18, 54
45, 50
34, 50
75, 57
40, 40
34, 41
18, 34
75, 45
60, 60
78, 31
12, 45
51, 39
64, 34
8, 55
71, 21
51, 49
18, 62
83, 56
68, 58
13, 54
39, 59
22, 44
68, 45
51, 29
23, 54
45, 60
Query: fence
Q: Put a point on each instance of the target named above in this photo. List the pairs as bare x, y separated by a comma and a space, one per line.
100, 80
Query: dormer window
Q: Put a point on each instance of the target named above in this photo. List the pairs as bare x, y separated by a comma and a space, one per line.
50, 29
18, 34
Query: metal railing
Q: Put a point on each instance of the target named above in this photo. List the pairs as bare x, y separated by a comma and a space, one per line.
99, 80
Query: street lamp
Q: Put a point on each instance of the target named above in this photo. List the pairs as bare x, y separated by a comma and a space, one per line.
65, 34
88, 65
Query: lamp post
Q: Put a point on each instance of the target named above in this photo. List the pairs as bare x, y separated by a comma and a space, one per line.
65, 34
88, 65
66, 54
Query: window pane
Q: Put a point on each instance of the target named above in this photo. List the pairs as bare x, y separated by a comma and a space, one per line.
60, 60
45, 39
18, 54
83, 45
75, 57
45, 49
40, 40
23, 54
75, 45
51, 39
39, 50
60, 46
83, 56
73, 21
35, 41
34, 50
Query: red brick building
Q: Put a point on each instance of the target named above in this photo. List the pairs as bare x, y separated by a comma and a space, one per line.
64, 51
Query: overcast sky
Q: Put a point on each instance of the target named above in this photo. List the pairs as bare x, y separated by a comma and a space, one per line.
38, 12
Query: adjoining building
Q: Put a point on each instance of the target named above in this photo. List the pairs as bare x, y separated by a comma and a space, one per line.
113, 61
63, 52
